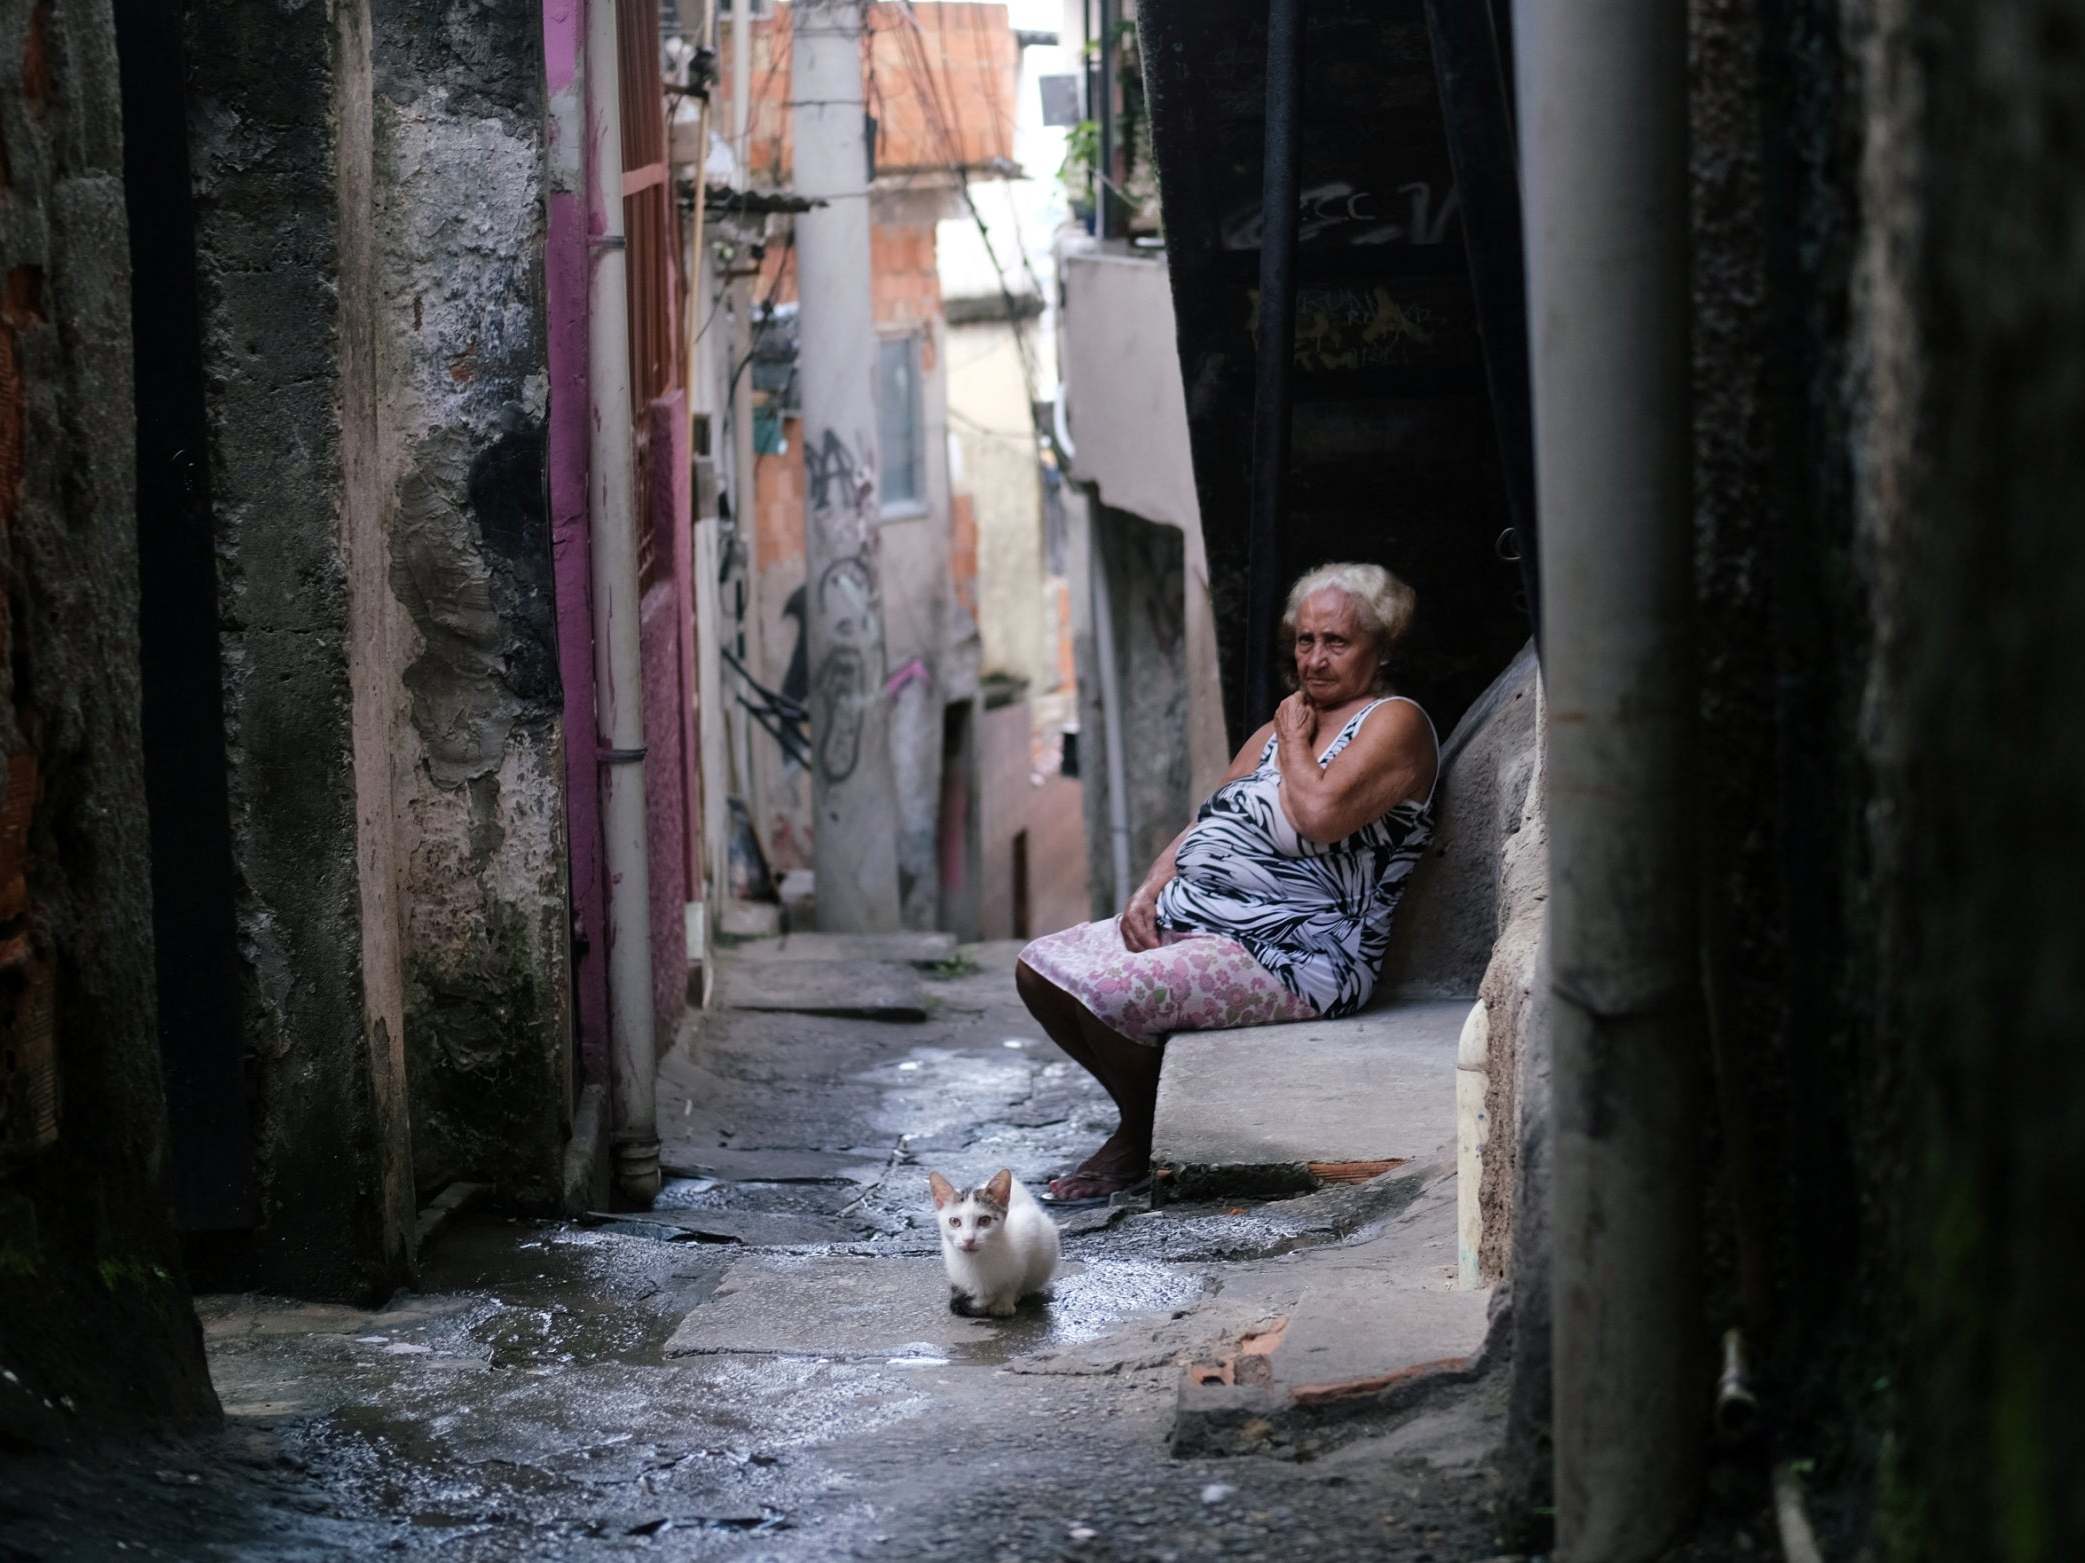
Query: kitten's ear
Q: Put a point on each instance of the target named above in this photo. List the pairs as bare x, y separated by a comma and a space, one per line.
944, 1191
1000, 1191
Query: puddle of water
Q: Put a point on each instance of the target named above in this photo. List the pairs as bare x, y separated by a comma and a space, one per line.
1081, 1307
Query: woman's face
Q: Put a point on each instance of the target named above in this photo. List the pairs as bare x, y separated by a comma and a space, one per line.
1336, 658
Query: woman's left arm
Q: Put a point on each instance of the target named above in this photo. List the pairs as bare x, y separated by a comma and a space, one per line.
1390, 761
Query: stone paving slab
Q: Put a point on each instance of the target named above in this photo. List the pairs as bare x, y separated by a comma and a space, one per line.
1377, 1326
756, 1228
1266, 1109
684, 1158
851, 1306
847, 947
864, 990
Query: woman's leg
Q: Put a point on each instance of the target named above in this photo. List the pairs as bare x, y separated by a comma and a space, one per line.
1127, 1070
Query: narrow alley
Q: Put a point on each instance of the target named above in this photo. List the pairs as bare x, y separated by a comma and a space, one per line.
1416, 656
764, 1365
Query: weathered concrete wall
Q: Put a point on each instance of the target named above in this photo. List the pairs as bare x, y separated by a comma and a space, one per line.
1456, 905
991, 424
1889, 334
1023, 818
1126, 407
917, 617
477, 759
1128, 415
95, 1323
280, 113
1472, 921
1979, 749
1146, 567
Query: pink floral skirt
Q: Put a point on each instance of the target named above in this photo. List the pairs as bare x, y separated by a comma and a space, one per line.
1191, 982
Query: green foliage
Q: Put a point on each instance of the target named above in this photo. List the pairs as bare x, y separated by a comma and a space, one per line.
1081, 155
117, 1273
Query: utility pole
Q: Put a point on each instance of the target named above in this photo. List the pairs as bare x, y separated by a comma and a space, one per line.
745, 515
853, 796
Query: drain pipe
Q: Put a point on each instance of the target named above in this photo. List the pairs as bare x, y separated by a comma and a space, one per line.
1603, 115
618, 661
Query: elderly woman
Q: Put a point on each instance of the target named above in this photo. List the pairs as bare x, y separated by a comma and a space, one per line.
1275, 904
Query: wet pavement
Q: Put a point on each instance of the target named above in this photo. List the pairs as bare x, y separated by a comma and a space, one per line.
763, 1366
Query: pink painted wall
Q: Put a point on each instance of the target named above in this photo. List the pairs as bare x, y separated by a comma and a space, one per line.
668, 710
564, 279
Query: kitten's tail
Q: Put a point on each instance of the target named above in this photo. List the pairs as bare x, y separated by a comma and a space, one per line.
962, 1304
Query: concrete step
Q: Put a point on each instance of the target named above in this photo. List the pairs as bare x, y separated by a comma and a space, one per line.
1377, 1327
854, 989
904, 947
1268, 1110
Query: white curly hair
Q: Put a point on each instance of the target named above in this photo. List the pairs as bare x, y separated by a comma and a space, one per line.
1383, 601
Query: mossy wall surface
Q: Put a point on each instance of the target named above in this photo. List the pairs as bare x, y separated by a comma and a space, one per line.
95, 1322
280, 129
477, 758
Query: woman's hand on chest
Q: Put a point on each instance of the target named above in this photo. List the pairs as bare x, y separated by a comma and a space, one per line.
1296, 723
1390, 760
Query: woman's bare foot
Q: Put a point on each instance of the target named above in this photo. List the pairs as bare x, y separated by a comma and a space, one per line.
1117, 1165
1078, 1186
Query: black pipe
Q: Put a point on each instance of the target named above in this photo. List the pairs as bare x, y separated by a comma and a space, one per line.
1469, 70
1272, 401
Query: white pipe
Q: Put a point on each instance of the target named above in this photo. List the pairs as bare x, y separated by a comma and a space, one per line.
618, 659
1110, 708
1603, 123
1791, 1519
745, 462
741, 85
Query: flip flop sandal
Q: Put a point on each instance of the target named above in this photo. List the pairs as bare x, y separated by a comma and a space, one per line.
1105, 1196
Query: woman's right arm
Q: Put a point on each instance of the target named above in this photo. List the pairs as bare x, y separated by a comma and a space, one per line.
1140, 917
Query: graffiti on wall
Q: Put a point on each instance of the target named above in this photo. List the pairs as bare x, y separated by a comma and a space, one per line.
841, 493
1339, 212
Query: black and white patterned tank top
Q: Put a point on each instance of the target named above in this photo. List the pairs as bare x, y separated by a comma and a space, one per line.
1316, 914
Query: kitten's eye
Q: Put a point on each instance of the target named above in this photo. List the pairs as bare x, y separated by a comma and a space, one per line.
983, 1222
955, 1221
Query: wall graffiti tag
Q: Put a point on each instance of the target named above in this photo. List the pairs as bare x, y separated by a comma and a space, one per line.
845, 612
839, 480
837, 713
1338, 212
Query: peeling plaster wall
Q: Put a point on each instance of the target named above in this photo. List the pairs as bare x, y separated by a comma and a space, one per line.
280, 134
94, 1320
1146, 565
1970, 470
477, 743
988, 390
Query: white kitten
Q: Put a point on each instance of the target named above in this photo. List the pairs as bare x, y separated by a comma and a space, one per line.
998, 1244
